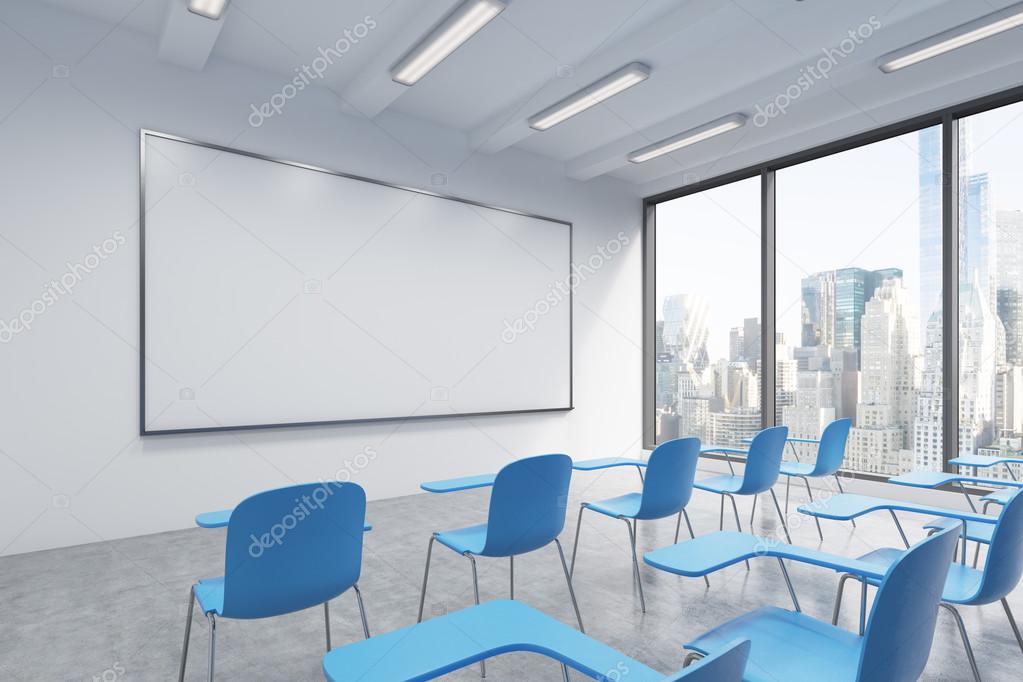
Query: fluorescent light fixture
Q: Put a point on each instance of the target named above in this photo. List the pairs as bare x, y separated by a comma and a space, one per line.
952, 39
691, 136
447, 36
211, 9
593, 94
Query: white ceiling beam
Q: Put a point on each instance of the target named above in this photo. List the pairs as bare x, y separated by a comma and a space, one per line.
187, 39
511, 126
372, 91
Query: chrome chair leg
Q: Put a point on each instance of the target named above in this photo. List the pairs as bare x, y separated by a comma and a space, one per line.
362, 610
838, 596
721, 514
326, 622
735, 509
476, 595
575, 545
781, 516
635, 562
788, 484
838, 480
426, 576
898, 525
1012, 622
753, 512
863, 606
571, 589
976, 554
966, 640
511, 577
678, 525
691, 658
809, 493
689, 525
213, 644
788, 584
188, 632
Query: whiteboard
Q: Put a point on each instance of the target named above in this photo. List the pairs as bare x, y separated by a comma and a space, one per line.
279, 294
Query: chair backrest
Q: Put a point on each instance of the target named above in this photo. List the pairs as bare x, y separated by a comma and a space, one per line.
1004, 563
727, 665
528, 504
900, 631
831, 450
292, 548
669, 478
764, 460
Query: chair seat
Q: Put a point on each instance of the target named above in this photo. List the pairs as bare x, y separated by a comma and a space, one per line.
623, 505
961, 585
210, 593
787, 646
796, 469
975, 532
469, 539
720, 484
1000, 496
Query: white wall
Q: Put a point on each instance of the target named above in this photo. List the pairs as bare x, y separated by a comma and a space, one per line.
72, 466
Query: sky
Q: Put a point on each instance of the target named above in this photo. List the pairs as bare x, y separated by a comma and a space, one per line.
859, 208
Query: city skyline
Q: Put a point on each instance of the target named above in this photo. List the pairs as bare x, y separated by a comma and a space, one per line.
866, 340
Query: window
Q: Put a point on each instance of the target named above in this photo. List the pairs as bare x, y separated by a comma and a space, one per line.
707, 338
991, 284
879, 289
859, 301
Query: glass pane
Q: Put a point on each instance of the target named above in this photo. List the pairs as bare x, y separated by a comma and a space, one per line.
708, 315
859, 302
991, 285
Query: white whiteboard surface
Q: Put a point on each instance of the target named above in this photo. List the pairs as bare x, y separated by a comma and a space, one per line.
277, 294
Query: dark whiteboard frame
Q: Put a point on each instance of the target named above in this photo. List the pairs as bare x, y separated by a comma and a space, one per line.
144, 133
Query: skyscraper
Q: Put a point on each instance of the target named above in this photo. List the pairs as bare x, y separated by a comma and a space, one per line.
686, 329
818, 309
881, 441
1009, 282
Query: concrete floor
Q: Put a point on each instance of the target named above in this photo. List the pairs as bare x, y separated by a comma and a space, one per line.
114, 611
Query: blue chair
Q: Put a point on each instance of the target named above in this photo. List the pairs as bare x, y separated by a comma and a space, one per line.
896, 643
287, 549
667, 488
527, 512
763, 464
441, 645
830, 453
967, 586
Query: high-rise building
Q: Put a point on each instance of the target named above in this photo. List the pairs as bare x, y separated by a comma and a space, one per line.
888, 377
928, 427
736, 345
818, 309
686, 330
930, 183
979, 254
1009, 282
751, 340
981, 352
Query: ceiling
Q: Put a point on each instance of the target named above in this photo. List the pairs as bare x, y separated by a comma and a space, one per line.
709, 58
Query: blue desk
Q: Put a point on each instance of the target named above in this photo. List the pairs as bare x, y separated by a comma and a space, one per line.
984, 461
936, 479
220, 519
847, 506
790, 441
708, 553
451, 485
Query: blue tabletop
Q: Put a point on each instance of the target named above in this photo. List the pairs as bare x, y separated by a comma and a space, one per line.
220, 519
450, 485
452, 641
607, 463
709, 553
727, 449
985, 460
846, 506
934, 479
790, 440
